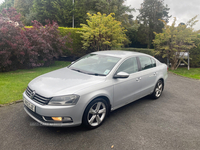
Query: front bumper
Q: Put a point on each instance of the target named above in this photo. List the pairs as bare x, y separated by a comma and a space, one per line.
45, 111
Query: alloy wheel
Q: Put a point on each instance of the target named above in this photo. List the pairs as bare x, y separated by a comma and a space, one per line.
159, 88
96, 114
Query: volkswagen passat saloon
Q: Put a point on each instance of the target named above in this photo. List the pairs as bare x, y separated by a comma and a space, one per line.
86, 91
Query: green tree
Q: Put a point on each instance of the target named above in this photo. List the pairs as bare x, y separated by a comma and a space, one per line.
132, 34
63, 10
121, 11
6, 4
151, 12
174, 42
102, 32
57, 10
23, 7
81, 8
195, 53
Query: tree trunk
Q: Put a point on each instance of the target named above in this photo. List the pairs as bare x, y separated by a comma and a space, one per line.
173, 64
172, 67
178, 64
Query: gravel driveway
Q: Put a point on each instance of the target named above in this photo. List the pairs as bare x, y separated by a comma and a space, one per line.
169, 123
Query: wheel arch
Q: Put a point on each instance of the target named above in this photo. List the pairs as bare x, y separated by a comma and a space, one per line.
163, 81
93, 99
104, 96
101, 96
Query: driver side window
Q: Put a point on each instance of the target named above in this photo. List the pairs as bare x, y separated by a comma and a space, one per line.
129, 66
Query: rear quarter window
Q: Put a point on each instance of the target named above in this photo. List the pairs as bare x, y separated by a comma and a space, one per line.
153, 62
145, 62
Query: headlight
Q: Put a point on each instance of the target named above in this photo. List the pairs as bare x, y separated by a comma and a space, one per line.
64, 100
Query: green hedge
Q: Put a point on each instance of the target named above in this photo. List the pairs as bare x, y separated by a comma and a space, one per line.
77, 50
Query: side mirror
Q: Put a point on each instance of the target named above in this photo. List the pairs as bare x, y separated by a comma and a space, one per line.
121, 75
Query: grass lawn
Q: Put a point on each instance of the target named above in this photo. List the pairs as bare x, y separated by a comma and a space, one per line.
192, 73
14, 83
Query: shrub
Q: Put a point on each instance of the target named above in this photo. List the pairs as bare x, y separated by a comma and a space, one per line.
102, 32
12, 37
46, 43
195, 55
28, 47
77, 50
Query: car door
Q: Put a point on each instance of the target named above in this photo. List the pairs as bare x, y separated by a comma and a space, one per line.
148, 74
128, 89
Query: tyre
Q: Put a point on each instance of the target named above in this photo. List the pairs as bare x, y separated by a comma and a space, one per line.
158, 90
95, 113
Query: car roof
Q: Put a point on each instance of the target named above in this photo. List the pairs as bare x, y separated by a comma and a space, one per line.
118, 53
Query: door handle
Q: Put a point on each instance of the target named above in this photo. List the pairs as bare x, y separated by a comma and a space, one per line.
138, 79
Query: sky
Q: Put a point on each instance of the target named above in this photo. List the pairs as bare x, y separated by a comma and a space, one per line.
183, 10
1, 1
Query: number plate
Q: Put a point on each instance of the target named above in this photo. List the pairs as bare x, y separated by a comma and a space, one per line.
29, 105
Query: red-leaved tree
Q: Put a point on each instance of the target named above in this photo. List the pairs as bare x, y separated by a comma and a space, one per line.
46, 43
22, 47
11, 40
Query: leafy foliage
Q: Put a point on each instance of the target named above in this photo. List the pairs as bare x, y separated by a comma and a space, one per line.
195, 53
102, 32
63, 10
7, 4
77, 50
132, 34
23, 7
151, 12
10, 15
175, 41
11, 40
57, 10
195, 57
121, 11
28, 47
46, 43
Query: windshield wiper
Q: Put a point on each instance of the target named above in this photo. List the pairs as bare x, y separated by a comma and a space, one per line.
96, 74
77, 70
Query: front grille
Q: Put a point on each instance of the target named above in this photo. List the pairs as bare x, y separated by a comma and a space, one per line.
37, 98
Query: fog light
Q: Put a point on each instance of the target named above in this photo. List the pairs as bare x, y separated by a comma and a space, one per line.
57, 118
67, 119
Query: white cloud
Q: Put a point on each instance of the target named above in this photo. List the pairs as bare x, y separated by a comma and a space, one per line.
1, 1
183, 10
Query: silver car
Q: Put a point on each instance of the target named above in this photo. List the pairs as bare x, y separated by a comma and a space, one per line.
90, 88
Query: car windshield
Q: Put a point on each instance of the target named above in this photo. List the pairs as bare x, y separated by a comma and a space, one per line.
99, 65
